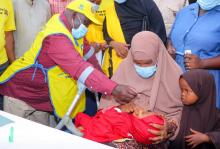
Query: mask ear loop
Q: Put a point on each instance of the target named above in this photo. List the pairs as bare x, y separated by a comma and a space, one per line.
75, 40
79, 21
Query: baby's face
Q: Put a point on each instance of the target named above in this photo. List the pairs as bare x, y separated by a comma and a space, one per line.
135, 110
140, 113
188, 97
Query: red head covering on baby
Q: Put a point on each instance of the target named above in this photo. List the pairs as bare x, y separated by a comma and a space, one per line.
139, 129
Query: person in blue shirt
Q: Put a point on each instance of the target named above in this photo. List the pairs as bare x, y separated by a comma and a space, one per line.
197, 28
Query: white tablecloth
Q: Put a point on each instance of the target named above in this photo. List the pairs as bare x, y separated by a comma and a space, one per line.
31, 135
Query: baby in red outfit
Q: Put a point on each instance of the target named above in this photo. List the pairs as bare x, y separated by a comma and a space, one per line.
125, 121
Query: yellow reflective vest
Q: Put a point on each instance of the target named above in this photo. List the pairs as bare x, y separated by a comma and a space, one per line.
95, 33
115, 32
62, 87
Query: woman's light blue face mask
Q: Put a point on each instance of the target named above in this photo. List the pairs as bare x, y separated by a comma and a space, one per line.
208, 4
81, 31
145, 72
120, 1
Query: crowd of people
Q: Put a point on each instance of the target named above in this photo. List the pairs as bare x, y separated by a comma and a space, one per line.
154, 66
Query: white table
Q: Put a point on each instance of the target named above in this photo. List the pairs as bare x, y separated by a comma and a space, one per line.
31, 135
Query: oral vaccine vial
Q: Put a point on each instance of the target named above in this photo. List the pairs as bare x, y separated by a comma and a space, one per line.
187, 52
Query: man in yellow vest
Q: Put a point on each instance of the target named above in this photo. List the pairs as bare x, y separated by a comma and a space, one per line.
45, 78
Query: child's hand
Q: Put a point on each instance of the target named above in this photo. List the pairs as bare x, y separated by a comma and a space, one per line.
196, 138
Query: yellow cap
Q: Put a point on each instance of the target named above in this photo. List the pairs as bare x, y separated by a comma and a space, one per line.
84, 7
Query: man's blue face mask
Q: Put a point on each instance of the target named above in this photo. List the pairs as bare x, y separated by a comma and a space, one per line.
208, 4
145, 72
120, 1
80, 32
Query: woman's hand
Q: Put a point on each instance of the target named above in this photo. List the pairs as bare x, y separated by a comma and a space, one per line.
193, 62
99, 46
196, 138
160, 134
120, 48
170, 49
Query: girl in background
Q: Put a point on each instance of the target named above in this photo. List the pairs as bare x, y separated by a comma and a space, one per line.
200, 123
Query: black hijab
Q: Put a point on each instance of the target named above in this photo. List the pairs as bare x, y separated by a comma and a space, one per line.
192, 1
203, 116
134, 15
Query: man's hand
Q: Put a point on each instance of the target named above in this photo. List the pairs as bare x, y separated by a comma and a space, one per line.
120, 48
124, 94
196, 138
192, 62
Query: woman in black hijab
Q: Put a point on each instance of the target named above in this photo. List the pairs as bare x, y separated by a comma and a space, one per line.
133, 16
133, 13
200, 123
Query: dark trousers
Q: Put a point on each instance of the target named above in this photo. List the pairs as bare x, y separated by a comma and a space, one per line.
1, 102
91, 105
2, 69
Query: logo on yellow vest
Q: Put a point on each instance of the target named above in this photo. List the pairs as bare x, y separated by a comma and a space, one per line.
64, 75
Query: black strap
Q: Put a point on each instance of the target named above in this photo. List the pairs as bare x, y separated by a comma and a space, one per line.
110, 68
146, 20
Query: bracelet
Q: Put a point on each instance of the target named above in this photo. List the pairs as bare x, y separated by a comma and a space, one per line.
171, 128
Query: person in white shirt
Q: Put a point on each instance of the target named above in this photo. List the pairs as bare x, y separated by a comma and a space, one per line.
30, 17
168, 9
